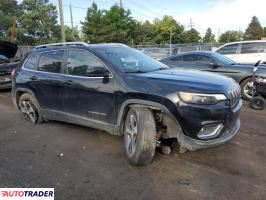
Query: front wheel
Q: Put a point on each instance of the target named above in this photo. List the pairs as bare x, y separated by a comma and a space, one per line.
246, 89
139, 136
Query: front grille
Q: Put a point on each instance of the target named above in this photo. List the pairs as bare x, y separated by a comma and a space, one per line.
234, 94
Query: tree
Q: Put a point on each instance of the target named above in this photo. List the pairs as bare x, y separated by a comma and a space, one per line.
72, 35
38, 23
8, 9
191, 36
168, 25
118, 25
231, 36
254, 30
264, 29
209, 36
93, 25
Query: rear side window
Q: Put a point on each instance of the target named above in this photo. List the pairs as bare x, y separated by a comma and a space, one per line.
258, 47
83, 63
31, 62
228, 49
177, 58
190, 58
51, 61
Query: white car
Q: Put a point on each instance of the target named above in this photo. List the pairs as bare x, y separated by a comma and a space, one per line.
248, 52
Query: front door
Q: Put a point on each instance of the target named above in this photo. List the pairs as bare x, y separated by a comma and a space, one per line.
88, 93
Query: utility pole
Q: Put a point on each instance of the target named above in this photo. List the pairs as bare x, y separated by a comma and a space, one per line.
71, 17
62, 21
170, 45
13, 35
121, 4
191, 23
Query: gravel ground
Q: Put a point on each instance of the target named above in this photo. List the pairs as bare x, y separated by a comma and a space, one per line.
83, 163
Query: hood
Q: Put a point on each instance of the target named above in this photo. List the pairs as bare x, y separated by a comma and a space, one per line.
8, 49
166, 81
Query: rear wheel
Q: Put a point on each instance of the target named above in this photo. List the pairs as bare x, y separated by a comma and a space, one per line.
257, 103
28, 107
139, 136
245, 89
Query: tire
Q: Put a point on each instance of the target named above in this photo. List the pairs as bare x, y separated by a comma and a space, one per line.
244, 87
29, 109
257, 103
139, 136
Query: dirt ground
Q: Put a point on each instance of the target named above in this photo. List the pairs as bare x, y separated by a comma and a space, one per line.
83, 163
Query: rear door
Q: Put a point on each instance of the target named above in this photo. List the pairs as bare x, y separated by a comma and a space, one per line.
45, 79
88, 93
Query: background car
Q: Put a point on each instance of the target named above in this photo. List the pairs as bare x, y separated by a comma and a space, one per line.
248, 52
214, 62
8, 62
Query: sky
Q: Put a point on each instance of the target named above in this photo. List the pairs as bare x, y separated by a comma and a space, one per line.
219, 15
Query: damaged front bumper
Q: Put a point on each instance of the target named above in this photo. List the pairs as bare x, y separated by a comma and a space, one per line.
194, 144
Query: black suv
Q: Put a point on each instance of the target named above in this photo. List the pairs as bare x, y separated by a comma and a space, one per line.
125, 92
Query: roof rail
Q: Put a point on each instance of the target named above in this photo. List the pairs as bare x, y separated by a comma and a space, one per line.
62, 44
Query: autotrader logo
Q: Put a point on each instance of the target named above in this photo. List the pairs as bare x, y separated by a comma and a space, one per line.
26, 193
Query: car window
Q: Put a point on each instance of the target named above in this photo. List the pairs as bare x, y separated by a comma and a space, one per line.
51, 61
83, 63
177, 58
228, 49
190, 58
203, 58
253, 47
31, 62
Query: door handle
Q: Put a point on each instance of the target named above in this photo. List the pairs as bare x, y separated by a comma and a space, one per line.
33, 78
68, 82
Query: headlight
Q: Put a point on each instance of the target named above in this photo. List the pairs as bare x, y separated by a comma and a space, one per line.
201, 98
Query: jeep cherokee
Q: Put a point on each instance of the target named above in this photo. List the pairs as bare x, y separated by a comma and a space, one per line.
125, 92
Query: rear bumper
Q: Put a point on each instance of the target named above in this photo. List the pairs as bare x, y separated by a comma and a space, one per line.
193, 144
5, 82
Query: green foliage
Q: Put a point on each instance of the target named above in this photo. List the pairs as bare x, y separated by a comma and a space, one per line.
39, 23
72, 35
231, 36
264, 29
8, 9
191, 36
254, 30
209, 36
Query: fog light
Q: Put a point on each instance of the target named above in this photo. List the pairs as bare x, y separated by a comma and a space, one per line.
210, 131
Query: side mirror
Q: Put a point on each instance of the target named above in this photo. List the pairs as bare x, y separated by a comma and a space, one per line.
215, 64
107, 75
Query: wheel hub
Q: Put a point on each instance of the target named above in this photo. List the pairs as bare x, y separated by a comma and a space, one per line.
28, 111
131, 135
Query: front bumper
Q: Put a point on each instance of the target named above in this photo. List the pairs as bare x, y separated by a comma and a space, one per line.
194, 144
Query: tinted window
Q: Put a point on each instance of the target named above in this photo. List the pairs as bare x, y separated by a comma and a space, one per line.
203, 58
82, 63
51, 61
253, 47
177, 58
228, 49
189, 58
31, 62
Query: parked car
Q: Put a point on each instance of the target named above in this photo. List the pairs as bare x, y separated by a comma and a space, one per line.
247, 52
125, 92
8, 62
214, 62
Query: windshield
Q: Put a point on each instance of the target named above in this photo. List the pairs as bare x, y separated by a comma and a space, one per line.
223, 59
129, 60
